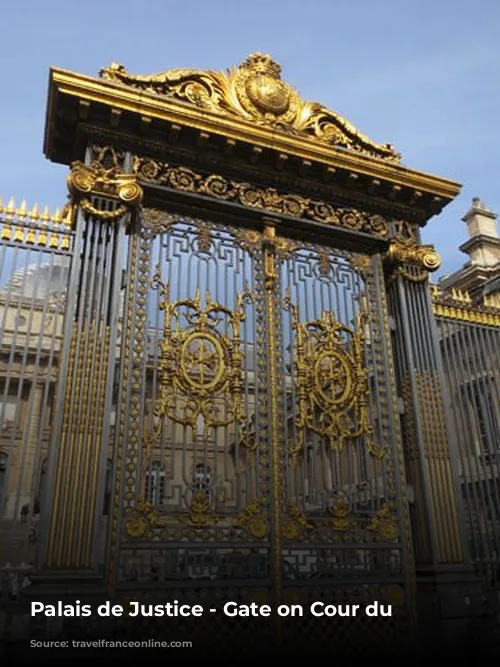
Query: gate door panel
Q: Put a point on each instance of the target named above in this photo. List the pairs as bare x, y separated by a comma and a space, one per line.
342, 530
195, 477
258, 461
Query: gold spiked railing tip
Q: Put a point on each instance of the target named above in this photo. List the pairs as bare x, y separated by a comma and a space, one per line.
19, 229
491, 301
44, 220
6, 230
462, 296
10, 211
436, 291
33, 216
22, 211
34, 226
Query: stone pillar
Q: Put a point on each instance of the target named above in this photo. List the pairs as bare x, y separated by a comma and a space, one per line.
70, 540
447, 591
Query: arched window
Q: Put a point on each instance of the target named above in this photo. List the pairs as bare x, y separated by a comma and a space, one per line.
155, 484
202, 478
4, 459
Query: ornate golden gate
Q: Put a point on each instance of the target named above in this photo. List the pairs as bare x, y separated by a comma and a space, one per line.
232, 249
263, 409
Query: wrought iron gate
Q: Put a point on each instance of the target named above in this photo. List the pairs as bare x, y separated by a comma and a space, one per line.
262, 455
226, 391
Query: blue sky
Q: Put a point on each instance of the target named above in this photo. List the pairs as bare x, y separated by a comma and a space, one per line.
423, 75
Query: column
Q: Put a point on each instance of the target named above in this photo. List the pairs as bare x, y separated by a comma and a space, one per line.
102, 200
447, 590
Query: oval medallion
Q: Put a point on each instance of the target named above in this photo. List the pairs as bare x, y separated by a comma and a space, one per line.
268, 94
333, 379
202, 361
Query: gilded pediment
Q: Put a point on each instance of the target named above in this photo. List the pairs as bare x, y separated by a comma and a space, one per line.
255, 91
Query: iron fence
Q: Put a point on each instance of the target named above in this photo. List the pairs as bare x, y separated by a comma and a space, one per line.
35, 257
469, 338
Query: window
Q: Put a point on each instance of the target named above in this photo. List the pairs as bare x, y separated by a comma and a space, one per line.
8, 411
155, 484
202, 478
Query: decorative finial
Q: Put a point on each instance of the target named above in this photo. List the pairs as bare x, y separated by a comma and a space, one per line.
262, 64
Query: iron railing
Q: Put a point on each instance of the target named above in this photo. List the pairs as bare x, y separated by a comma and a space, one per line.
469, 336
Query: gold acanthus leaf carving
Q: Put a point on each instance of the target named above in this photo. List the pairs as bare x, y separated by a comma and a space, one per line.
253, 196
254, 91
94, 180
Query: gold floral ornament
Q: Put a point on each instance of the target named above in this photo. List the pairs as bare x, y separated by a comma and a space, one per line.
384, 523
341, 521
255, 92
254, 518
200, 514
296, 526
94, 180
332, 383
140, 521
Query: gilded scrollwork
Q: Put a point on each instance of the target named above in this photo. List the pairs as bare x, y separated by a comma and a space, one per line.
253, 196
108, 156
405, 232
94, 180
156, 220
200, 368
331, 381
255, 92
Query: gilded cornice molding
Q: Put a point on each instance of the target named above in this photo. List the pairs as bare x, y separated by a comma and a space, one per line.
255, 197
254, 91
99, 98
